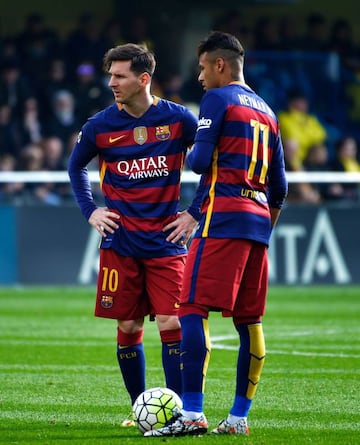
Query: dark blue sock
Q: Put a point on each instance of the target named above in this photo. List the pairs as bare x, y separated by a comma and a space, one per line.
132, 366
171, 365
195, 355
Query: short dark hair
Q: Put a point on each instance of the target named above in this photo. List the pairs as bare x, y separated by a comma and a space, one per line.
218, 40
142, 59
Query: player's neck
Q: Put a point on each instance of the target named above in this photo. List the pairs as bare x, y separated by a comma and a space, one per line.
139, 107
238, 80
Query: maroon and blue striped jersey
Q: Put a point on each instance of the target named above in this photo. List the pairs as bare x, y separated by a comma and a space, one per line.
140, 165
239, 151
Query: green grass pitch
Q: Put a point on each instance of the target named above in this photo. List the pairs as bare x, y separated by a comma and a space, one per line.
60, 383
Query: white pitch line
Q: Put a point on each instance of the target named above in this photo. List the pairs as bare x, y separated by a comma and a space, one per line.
216, 344
54, 342
315, 354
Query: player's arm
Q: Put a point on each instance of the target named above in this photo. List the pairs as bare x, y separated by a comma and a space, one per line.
186, 222
200, 157
190, 127
275, 213
84, 151
211, 115
194, 208
277, 185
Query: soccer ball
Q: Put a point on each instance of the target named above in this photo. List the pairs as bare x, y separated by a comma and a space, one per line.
154, 407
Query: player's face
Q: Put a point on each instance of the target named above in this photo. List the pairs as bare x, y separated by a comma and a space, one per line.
125, 84
208, 76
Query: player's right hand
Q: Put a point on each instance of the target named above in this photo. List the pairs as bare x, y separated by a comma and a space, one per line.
103, 220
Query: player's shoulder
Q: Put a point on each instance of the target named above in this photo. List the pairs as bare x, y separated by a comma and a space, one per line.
104, 114
173, 108
215, 99
169, 105
98, 121
101, 119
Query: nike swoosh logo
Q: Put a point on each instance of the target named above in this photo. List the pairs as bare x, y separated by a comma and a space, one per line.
112, 140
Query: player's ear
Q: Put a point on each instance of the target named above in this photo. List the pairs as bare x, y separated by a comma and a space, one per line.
220, 64
145, 78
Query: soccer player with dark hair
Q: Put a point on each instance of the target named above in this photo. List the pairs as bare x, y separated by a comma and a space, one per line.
141, 142
238, 150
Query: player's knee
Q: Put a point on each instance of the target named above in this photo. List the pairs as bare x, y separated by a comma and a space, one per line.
167, 322
131, 326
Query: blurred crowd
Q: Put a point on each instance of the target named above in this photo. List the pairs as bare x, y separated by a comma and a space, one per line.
50, 85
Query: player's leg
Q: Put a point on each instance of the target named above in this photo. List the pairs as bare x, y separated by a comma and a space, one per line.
131, 356
195, 356
121, 296
170, 335
248, 310
211, 280
163, 283
195, 352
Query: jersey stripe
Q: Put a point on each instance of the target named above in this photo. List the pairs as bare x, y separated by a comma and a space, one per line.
126, 138
211, 195
149, 194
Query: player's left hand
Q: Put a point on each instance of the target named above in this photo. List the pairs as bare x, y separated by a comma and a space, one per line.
181, 228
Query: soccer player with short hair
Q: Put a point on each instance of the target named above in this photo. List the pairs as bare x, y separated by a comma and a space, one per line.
141, 143
239, 151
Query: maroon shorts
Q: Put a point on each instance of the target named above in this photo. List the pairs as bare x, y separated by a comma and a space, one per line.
130, 288
229, 275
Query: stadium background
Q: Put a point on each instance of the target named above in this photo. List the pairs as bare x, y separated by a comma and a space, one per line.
178, 24
53, 245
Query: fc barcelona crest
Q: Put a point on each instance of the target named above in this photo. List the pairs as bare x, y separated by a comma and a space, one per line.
140, 135
162, 133
107, 301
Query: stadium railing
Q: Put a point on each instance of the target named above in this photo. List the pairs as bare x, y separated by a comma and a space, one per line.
187, 177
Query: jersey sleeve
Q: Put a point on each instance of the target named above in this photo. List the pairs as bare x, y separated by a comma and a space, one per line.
189, 127
211, 115
83, 152
195, 207
277, 184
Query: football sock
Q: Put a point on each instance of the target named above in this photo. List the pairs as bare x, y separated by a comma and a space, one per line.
195, 355
131, 359
171, 359
249, 366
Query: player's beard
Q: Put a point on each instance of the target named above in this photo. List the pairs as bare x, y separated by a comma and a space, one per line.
117, 97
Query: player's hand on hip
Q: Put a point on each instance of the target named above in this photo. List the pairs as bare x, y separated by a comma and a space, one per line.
181, 228
103, 220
